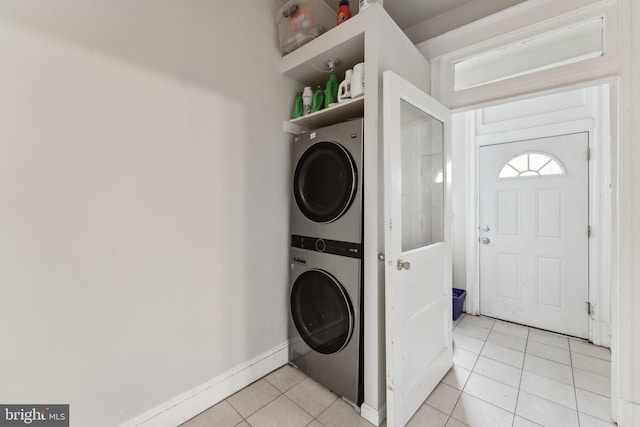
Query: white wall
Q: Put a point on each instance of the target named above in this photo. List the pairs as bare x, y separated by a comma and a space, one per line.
143, 199
627, 343
461, 136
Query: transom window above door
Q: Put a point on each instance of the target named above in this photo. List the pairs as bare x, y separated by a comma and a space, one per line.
532, 164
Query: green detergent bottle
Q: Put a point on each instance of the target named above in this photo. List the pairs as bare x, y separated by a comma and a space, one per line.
331, 92
318, 100
298, 108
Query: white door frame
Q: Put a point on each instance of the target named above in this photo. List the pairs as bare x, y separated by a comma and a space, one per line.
600, 199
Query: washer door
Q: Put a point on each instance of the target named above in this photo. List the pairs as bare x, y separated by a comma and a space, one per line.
324, 182
322, 311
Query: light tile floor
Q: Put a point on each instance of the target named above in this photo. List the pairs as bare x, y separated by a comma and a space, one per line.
503, 375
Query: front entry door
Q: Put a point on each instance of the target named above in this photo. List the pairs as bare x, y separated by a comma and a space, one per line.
533, 201
417, 247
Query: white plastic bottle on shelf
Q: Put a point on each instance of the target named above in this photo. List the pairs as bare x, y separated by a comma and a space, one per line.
344, 90
357, 80
307, 97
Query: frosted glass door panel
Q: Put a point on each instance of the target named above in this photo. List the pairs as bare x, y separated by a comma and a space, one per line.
421, 145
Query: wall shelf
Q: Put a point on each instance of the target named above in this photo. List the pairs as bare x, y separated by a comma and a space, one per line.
344, 42
335, 114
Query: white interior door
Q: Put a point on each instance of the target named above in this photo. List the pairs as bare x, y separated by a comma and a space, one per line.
534, 248
417, 246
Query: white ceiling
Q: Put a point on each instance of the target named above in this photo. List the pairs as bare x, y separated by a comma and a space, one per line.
408, 13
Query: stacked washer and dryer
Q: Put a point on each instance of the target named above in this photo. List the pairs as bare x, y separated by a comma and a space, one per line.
326, 258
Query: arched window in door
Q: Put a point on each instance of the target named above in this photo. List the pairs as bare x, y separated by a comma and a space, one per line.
532, 164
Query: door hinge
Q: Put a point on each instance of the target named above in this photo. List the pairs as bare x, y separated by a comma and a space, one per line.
589, 309
588, 154
588, 231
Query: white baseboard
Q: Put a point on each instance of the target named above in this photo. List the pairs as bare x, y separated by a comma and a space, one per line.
375, 417
186, 405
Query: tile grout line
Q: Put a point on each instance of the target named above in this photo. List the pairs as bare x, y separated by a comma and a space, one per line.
588, 343
241, 416
546, 358
467, 380
552, 345
307, 412
500, 361
522, 370
560, 404
589, 355
545, 376
575, 388
575, 393
325, 410
557, 403
592, 392
472, 371
284, 393
471, 336
304, 410
573, 353
572, 378
493, 379
515, 410
448, 416
263, 406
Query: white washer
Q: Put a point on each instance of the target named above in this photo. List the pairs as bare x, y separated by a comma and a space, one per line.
325, 318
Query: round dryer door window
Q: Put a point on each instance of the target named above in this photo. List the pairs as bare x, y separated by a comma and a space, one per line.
324, 182
321, 311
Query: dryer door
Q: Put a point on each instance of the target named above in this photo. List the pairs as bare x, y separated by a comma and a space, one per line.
324, 182
322, 311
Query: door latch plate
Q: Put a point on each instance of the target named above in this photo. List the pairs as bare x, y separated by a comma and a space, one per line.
406, 265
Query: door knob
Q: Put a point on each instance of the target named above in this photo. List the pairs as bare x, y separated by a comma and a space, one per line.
403, 264
485, 240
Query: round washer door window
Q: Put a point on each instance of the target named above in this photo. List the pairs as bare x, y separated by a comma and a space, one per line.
324, 182
321, 311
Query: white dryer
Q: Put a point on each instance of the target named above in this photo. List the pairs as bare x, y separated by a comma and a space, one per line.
327, 183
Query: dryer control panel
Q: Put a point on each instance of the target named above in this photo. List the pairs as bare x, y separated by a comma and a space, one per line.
334, 247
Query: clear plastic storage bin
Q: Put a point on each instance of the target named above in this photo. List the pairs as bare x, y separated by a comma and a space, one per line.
300, 21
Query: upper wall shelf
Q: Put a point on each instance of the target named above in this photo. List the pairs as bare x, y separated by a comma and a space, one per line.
345, 42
